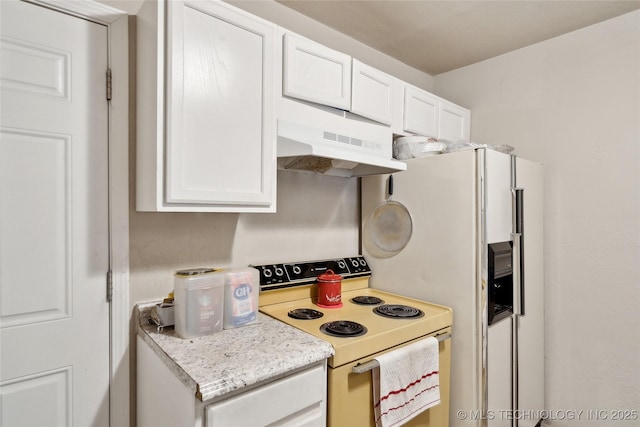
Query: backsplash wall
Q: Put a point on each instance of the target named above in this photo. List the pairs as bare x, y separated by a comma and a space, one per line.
317, 218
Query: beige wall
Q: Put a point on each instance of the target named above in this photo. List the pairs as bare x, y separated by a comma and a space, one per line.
573, 103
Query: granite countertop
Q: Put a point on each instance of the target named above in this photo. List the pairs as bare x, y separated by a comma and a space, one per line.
216, 364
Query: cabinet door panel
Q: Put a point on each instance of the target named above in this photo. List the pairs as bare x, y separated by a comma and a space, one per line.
454, 122
371, 93
420, 112
315, 73
219, 113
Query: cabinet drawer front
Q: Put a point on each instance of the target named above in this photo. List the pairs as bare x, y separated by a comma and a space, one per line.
298, 400
219, 106
420, 112
372, 93
315, 73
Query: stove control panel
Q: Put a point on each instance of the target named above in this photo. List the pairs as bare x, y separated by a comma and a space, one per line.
276, 276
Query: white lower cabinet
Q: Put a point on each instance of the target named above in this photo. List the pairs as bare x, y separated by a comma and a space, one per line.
296, 401
206, 114
163, 400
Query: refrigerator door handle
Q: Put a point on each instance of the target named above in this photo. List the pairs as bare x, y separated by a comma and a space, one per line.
518, 252
518, 306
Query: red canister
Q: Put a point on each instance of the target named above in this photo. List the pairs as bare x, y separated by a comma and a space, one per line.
329, 290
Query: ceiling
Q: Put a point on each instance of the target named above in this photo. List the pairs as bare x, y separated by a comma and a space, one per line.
438, 36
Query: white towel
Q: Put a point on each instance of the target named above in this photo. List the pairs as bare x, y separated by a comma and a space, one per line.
407, 382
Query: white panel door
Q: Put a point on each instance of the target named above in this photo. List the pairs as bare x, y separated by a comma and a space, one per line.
53, 219
316, 73
371, 93
420, 112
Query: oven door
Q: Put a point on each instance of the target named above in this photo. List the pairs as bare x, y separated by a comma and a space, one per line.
350, 395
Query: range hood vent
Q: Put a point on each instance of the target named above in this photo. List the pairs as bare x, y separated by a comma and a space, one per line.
338, 153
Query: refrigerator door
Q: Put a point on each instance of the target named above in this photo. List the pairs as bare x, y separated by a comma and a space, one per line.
530, 333
439, 264
460, 202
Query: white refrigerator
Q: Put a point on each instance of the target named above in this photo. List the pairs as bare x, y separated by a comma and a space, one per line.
462, 205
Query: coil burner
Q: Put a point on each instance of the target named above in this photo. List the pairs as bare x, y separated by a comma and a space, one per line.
305, 314
398, 311
366, 300
343, 328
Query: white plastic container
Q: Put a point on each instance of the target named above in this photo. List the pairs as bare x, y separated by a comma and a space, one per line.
241, 289
198, 301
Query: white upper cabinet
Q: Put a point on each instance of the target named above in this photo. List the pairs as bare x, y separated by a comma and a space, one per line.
421, 112
371, 94
429, 115
455, 122
205, 109
316, 73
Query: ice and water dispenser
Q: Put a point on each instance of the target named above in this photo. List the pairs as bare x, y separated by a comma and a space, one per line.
500, 277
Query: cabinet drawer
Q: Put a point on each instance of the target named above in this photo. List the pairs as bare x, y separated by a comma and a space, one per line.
297, 400
313, 72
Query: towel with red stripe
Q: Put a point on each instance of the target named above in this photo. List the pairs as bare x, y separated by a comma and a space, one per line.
407, 382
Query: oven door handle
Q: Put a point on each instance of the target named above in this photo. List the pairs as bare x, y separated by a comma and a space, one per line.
361, 368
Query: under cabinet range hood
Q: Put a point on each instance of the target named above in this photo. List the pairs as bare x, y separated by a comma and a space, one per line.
347, 153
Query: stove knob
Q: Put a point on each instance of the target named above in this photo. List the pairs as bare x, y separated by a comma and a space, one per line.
297, 269
279, 271
341, 265
363, 262
355, 263
266, 273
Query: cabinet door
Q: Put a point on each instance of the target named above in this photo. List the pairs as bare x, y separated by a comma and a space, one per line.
455, 122
420, 112
313, 72
371, 93
219, 107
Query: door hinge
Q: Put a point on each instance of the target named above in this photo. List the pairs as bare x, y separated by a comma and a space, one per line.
109, 78
109, 285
